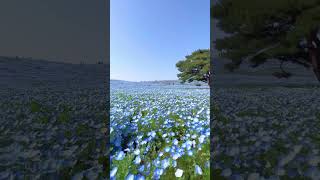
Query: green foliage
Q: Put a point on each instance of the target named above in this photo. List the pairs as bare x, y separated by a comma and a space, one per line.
264, 30
65, 115
217, 174
123, 167
35, 106
317, 116
68, 134
219, 115
43, 119
81, 129
195, 67
105, 161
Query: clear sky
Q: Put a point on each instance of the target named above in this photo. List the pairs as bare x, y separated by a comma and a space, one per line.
148, 37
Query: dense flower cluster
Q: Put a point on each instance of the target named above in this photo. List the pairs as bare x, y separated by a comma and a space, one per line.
159, 132
266, 133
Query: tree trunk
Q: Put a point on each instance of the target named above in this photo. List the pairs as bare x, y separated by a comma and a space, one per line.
209, 79
314, 61
314, 52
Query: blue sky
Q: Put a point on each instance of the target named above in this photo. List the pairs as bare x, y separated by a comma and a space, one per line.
148, 37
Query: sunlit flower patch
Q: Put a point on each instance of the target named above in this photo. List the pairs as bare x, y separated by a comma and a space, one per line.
159, 132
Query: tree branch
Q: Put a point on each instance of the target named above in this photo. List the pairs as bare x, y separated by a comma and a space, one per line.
248, 58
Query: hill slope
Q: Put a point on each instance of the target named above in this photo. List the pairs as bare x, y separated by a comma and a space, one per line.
26, 73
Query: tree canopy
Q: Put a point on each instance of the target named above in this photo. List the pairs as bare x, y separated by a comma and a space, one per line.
283, 30
195, 67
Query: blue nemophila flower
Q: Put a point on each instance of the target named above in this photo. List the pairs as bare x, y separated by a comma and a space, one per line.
175, 142
130, 177
120, 156
137, 160
188, 142
147, 169
157, 162
153, 134
141, 168
194, 143
174, 164
188, 147
173, 149
140, 177
178, 149
178, 173
147, 149
201, 139
199, 129
175, 156
127, 150
113, 172
198, 170
143, 142
130, 143
117, 142
136, 152
165, 163
160, 154
149, 115
208, 164
111, 130
190, 153
167, 149
158, 172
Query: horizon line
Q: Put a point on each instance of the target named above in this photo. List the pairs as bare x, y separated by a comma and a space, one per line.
143, 80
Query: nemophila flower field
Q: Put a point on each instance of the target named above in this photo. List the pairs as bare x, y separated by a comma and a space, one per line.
159, 132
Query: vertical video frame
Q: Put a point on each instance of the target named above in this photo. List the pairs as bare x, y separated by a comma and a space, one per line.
265, 56
159, 96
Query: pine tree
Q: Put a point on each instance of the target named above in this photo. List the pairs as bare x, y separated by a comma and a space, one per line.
195, 67
262, 30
